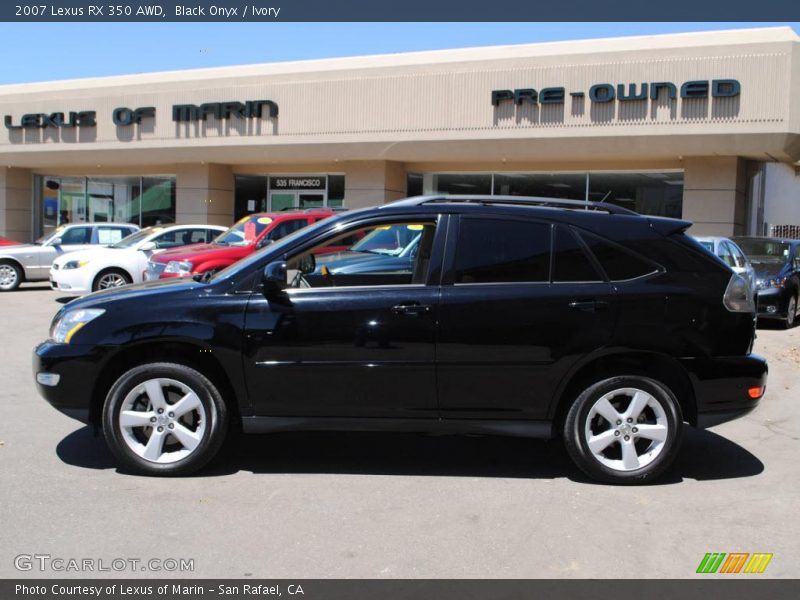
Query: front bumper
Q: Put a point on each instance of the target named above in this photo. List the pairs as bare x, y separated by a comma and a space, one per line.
721, 386
71, 281
77, 368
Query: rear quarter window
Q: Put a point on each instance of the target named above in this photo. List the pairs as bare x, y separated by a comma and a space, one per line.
619, 263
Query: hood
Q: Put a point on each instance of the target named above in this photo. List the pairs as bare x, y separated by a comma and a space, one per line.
93, 253
193, 252
17, 249
138, 292
768, 270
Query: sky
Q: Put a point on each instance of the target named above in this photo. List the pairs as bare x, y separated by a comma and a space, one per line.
52, 51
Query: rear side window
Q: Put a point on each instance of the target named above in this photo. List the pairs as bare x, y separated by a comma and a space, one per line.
499, 251
570, 261
111, 235
618, 263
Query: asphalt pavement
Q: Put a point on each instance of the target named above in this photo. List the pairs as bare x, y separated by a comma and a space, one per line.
298, 505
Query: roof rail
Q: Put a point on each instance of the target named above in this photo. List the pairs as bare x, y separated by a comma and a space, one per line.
515, 200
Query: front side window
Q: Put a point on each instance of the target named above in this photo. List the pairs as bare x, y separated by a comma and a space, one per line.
245, 231
76, 235
284, 228
385, 254
500, 251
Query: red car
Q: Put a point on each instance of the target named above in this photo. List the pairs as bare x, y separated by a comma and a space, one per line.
8, 242
245, 237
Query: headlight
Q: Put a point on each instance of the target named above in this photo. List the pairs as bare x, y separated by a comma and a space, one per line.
182, 267
75, 264
68, 325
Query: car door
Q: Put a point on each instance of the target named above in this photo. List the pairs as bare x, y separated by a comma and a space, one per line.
513, 322
333, 350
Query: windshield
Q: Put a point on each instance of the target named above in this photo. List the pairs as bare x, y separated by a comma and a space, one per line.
244, 232
765, 251
135, 238
49, 236
389, 240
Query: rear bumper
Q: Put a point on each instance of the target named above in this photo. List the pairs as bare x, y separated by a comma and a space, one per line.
74, 368
721, 386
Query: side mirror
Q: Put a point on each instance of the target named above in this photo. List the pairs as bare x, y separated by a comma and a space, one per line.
148, 247
307, 264
55, 241
274, 277
265, 241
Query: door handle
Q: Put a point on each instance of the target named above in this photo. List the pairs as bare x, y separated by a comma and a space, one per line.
413, 309
588, 305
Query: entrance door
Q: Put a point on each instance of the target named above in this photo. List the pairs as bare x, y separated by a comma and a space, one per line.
285, 200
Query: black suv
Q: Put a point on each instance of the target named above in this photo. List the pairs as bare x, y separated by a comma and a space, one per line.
525, 317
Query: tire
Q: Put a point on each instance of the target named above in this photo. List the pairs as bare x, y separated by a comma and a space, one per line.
110, 278
10, 276
188, 437
619, 452
791, 313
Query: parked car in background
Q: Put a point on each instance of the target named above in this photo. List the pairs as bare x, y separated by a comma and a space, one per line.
125, 262
777, 266
242, 239
31, 262
731, 255
519, 316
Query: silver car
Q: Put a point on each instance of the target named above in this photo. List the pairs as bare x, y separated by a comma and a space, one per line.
731, 255
31, 262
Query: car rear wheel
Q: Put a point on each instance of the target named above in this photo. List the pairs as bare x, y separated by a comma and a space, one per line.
10, 276
111, 278
624, 430
164, 419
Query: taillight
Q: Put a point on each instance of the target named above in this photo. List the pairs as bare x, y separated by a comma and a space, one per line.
738, 295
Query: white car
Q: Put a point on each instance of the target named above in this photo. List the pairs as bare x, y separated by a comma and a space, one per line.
124, 262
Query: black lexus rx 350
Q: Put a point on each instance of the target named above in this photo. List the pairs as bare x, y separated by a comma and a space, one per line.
524, 317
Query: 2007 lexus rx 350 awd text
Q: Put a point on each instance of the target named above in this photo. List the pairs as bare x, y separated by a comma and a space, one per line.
525, 317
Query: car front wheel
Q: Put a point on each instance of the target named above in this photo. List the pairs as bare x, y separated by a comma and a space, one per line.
624, 430
164, 419
791, 313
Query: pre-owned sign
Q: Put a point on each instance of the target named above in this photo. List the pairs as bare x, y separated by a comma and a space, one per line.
606, 92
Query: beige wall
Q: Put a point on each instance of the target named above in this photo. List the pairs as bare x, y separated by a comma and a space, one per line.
15, 204
204, 194
714, 195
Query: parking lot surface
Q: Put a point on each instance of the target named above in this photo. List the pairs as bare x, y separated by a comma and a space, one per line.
392, 505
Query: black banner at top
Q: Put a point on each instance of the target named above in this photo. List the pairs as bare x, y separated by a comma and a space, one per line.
408, 10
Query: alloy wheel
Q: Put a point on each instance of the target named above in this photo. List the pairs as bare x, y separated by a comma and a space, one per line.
626, 429
791, 312
111, 280
8, 277
162, 420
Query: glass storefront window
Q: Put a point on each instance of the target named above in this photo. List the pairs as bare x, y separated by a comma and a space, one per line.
649, 193
250, 195
570, 186
654, 193
257, 193
143, 201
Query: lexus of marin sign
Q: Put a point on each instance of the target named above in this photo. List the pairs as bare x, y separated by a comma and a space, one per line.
606, 92
251, 109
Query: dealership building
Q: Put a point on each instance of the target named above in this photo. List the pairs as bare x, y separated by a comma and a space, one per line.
703, 126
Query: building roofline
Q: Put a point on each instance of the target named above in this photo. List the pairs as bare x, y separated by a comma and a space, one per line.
428, 57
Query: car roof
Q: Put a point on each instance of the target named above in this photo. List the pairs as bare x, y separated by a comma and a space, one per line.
99, 224
768, 239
